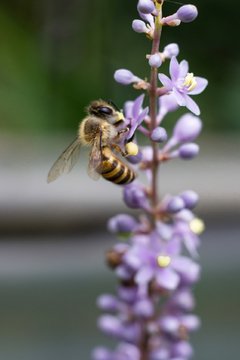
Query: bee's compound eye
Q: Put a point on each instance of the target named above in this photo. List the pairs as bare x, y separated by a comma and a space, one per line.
105, 110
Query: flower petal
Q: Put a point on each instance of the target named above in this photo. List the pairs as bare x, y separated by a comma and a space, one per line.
201, 85
191, 105
179, 97
165, 81
183, 66
144, 275
167, 278
174, 69
137, 105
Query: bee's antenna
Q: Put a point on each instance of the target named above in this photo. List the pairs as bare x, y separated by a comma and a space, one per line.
111, 102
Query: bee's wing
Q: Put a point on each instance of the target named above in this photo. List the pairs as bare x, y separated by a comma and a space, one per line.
95, 164
66, 161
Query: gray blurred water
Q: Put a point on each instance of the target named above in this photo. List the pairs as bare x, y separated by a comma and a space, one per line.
49, 287
53, 240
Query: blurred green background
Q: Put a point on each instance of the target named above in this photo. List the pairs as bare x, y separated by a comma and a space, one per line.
55, 57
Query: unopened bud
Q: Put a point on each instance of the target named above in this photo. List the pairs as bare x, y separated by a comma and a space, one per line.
187, 13
159, 135
187, 128
170, 50
139, 26
135, 196
155, 61
175, 204
135, 159
125, 77
188, 151
122, 223
146, 6
108, 302
190, 198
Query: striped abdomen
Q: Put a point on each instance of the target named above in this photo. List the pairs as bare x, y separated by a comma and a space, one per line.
116, 170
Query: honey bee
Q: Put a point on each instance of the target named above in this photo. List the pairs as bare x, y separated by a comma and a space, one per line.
100, 130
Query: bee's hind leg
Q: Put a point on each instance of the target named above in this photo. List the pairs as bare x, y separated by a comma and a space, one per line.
123, 153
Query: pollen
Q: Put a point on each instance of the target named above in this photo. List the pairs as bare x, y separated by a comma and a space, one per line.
120, 116
190, 82
197, 226
132, 148
163, 260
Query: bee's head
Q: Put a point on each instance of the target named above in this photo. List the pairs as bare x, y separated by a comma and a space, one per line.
103, 110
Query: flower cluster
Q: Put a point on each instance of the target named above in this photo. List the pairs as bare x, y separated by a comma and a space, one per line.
151, 312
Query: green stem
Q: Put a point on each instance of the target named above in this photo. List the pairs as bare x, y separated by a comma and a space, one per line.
153, 108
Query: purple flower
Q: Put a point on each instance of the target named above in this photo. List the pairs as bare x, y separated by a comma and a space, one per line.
167, 103
183, 84
154, 263
135, 114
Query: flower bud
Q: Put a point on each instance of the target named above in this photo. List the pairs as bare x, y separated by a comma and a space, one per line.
145, 6
155, 61
190, 322
169, 323
143, 308
183, 299
128, 351
123, 272
135, 159
182, 349
139, 26
108, 302
170, 50
159, 135
160, 354
125, 77
128, 293
164, 231
101, 353
110, 325
175, 204
135, 196
190, 198
187, 13
187, 128
122, 223
167, 103
188, 151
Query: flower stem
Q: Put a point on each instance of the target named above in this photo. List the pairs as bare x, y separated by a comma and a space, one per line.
153, 107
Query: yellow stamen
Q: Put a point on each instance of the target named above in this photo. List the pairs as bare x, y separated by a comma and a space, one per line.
197, 226
120, 116
131, 148
190, 81
163, 260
